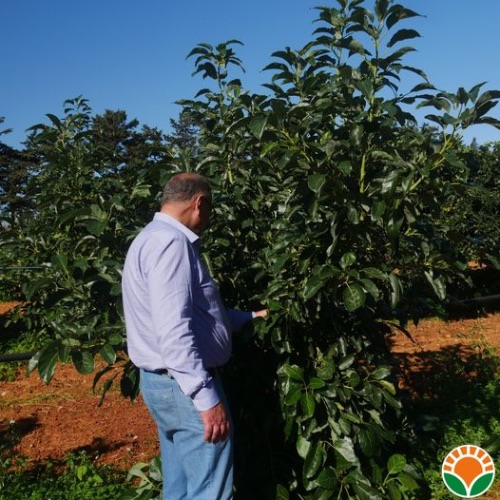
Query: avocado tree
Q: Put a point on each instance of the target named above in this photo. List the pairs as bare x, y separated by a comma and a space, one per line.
328, 195
94, 183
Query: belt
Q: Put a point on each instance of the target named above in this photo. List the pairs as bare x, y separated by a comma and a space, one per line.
163, 371
159, 371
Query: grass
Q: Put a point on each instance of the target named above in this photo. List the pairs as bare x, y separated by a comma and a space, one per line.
76, 478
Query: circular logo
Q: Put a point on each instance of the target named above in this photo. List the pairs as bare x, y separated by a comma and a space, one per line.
468, 471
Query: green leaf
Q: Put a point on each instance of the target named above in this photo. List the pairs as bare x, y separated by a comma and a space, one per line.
356, 134
303, 446
108, 353
388, 386
353, 215
63, 352
353, 296
316, 383
326, 369
60, 261
397, 13
366, 492
347, 260
316, 182
141, 191
396, 464
394, 492
81, 471
83, 361
380, 373
327, 479
313, 461
308, 404
345, 167
381, 9
437, 285
346, 362
293, 396
345, 449
312, 286
294, 372
373, 272
96, 227
407, 481
115, 339
33, 288
47, 362
368, 441
371, 288
396, 289
282, 493
403, 34
129, 383
257, 125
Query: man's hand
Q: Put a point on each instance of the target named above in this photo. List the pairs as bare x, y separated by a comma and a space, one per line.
216, 422
263, 313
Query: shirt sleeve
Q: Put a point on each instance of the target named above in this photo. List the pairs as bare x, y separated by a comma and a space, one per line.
238, 318
170, 282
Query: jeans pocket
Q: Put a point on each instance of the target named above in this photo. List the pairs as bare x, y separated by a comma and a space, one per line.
162, 406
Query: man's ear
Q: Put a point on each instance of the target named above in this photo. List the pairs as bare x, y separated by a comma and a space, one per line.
198, 200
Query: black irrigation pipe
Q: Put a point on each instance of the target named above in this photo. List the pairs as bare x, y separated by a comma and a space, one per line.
20, 356
11, 268
481, 300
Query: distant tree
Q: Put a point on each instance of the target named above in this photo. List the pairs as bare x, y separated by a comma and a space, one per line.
120, 147
473, 214
184, 139
15, 166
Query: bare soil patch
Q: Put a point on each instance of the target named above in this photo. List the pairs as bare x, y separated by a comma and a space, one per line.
436, 347
46, 422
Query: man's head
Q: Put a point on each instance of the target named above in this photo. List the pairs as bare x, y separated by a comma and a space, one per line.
188, 198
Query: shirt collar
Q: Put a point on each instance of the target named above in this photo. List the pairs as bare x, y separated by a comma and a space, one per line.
192, 237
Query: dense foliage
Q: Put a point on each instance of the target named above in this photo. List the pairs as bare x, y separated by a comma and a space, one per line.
328, 210
473, 214
93, 189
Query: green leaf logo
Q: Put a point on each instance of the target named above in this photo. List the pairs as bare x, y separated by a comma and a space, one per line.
468, 471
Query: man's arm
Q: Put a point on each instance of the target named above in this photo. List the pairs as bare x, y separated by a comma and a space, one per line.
239, 318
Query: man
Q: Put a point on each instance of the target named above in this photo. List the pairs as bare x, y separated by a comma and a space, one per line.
178, 333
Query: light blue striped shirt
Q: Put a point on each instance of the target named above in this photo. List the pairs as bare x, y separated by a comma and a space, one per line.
174, 316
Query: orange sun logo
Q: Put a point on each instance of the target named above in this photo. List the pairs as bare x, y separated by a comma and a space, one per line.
468, 471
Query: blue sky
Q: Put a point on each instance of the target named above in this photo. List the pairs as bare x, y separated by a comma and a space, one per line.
131, 55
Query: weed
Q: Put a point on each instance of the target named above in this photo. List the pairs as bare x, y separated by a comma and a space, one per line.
75, 478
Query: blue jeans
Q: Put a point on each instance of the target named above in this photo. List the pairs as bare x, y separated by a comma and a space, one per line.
192, 468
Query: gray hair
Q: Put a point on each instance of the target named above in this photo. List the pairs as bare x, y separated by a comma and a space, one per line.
184, 186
